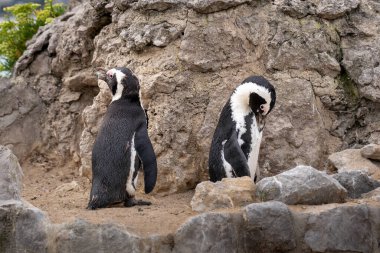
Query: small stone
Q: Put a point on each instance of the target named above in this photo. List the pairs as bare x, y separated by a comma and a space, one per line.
228, 193
72, 186
371, 151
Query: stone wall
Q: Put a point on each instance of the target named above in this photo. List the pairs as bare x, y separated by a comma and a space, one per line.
263, 227
189, 55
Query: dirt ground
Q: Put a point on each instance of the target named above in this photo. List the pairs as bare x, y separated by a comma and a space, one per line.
63, 195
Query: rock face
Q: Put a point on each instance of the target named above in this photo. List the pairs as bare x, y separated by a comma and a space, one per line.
230, 192
351, 159
301, 185
320, 56
371, 151
356, 183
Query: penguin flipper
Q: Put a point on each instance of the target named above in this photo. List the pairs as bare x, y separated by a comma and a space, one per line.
234, 155
147, 156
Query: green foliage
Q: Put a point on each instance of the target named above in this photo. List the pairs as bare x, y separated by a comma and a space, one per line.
22, 23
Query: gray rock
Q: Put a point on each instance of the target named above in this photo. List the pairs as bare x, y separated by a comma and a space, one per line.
371, 151
10, 175
301, 185
81, 80
356, 183
209, 6
268, 227
209, 232
140, 35
342, 229
157, 5
328, 9
228, 193
23, 228
104, 238
351, 159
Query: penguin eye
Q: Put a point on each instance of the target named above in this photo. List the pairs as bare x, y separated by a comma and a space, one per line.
262, 107
110, 75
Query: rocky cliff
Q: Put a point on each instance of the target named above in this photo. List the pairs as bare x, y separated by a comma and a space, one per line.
322, 57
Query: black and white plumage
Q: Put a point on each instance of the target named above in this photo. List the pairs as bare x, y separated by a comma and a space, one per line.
236, 142
122, 145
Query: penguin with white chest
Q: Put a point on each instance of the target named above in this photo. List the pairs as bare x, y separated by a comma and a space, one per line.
122, 145
236, 142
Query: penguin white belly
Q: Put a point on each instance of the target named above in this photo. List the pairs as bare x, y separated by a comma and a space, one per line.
253, 156
130, 182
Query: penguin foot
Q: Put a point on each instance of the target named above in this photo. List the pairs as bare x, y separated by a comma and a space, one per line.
136, 202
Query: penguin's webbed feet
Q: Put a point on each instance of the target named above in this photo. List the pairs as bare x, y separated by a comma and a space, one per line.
129, 202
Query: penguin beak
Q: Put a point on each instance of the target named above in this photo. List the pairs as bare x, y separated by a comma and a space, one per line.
101, 73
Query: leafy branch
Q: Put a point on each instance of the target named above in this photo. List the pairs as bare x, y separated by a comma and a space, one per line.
21, 24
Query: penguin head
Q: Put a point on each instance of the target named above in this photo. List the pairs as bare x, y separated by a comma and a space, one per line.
255, 94
263, 97
121, 81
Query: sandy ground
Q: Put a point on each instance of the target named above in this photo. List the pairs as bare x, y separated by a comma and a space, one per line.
63, 195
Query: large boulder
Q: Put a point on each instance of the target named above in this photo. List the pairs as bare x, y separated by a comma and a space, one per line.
301, 185
356, 183
228, 193
91, 238
209, 232
10, 175
23, 228
20, 118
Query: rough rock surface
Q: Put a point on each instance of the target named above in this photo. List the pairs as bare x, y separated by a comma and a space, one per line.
351, 159
301, 185
269, 220
342, 229
189, 55
328, 9
209, 232
371, 151
23, 228
19, 116
230, 192
356, 183
10, 175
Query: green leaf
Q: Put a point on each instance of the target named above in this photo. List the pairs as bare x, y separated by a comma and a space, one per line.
22, 22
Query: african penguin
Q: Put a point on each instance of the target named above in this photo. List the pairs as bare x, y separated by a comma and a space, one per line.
236, 142
122, 145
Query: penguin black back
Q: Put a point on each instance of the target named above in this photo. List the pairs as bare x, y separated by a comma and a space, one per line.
122, 145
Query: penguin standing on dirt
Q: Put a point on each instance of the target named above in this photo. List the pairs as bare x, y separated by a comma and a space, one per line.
236, 142
122, 145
